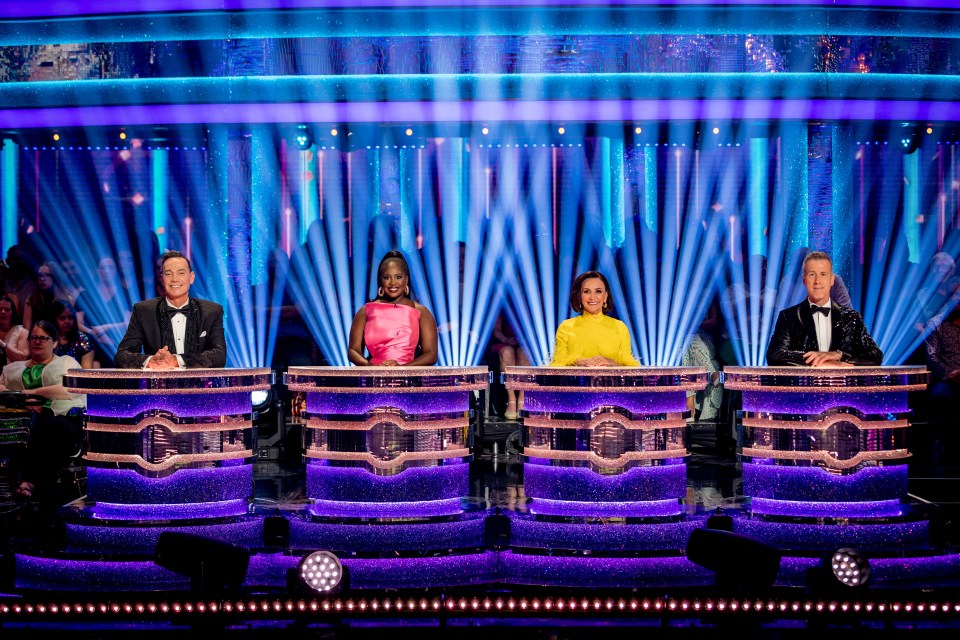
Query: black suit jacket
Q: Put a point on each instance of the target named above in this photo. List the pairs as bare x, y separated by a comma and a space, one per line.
795, 335
143, 337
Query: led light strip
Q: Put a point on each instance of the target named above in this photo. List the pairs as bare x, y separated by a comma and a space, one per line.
126, 458
369, 423
603, 418
825, 423
826, 458
174, 427
373, 461
604, 463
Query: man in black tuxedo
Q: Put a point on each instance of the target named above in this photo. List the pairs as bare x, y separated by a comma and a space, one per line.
174, 331
818, 333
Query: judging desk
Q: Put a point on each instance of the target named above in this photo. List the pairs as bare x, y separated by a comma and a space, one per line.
605, 435
825, 454
374, 436
387, 452
169, 444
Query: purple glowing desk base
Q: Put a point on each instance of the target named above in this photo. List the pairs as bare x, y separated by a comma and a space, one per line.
463, 531
482, 567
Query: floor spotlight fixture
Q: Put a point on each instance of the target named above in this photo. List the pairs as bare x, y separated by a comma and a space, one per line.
849, 567
842, 570
321, 571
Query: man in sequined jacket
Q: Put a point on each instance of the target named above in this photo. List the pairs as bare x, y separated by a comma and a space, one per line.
818, 333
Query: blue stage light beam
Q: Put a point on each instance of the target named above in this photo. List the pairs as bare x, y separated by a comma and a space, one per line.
551, 243
325, 284
762, 274
96, 183
900, 277
447, 271
674, 240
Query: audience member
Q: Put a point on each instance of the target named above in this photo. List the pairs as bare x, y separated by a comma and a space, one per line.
18, 284
72, 342
58, 426
47, 291
943, 360
704, 405
933, 298
504, 342
13, 337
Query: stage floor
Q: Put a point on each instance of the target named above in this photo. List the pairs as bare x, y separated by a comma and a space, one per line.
496, 481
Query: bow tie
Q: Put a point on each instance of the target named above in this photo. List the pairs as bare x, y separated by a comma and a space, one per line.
824, 310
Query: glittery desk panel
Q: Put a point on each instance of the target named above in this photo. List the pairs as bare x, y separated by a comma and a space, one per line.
849, 421
61, 574
604, 435
160, 423
408, 535
455, 569
186, 486
213, 404
531, 531
580, 484
96, 538
808, 537
350, 484
815, 484
384, 421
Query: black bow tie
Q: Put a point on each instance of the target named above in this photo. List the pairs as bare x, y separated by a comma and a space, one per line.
824, 310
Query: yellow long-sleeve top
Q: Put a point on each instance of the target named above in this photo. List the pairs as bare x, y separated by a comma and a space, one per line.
587, 335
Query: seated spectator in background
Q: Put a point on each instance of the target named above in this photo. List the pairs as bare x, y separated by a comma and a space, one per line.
504, 342
13, 337
174, 331
934, 297
58, 426
393, 329
943, 359
818, 333
18, 284
592, 339
48, 290
99, 310
68, 277
71, 342
704, 405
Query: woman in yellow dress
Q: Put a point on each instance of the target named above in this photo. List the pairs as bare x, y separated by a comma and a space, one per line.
592, 339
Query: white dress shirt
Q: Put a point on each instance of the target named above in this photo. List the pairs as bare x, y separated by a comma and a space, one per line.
179, 323
824, 327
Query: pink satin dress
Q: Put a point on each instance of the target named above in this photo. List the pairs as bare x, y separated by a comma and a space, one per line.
392, 332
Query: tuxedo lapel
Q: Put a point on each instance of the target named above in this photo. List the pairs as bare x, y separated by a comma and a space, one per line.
835, 324
153, 335
806, 317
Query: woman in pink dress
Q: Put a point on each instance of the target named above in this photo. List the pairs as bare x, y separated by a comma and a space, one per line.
392, 327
